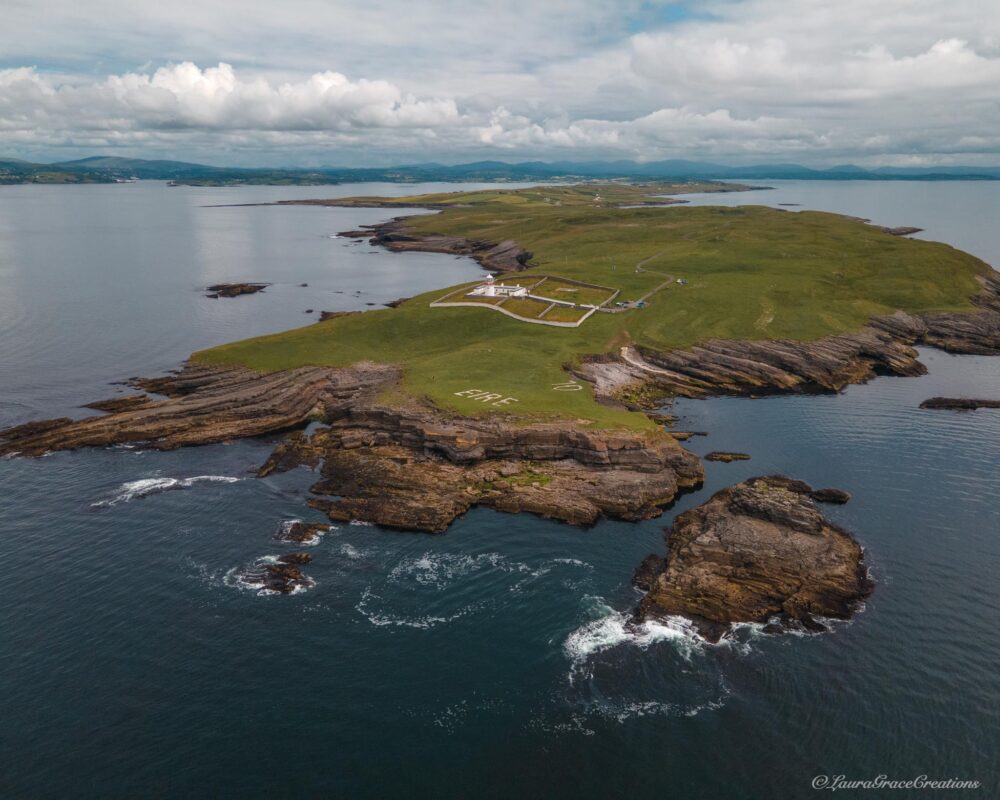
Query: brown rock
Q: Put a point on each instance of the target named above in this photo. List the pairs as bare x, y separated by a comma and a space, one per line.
234, 289
127, 403
834, 496
720, 455
757, 550
958, 403
301, 532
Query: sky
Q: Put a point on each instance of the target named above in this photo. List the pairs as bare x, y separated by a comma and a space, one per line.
380, 82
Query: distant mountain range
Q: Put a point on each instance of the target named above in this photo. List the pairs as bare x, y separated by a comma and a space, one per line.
102, 169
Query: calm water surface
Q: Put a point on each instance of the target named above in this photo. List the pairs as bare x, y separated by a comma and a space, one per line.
491, 661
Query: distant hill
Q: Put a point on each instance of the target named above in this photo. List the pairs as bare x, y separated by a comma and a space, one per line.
109, 169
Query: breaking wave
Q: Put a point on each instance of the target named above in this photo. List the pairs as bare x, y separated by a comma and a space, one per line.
616, 628
133, 490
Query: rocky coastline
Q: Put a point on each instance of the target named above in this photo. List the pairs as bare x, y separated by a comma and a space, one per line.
640, 376
759, 551
418, 467
505, 256
414, 468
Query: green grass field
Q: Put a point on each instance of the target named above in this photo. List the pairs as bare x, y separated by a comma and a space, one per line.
753, 273
572, 293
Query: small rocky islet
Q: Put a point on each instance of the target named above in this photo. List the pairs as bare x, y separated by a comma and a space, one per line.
958, 403
218, 290
759, 552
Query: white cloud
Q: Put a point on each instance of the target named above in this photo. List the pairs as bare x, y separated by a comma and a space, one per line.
388, 80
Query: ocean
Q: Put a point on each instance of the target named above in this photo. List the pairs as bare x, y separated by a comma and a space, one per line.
491, 661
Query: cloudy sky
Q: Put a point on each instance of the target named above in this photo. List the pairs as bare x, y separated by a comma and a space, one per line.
311, 82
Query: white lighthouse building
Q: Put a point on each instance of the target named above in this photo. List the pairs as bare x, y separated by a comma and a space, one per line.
493, 289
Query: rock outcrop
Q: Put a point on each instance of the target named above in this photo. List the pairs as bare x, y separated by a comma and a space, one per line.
208, 405
234, 289
959, 403
299, 532
415, 470
757, 550
726, 458
282, 575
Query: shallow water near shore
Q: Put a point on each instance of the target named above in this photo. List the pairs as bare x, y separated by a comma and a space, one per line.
493, 660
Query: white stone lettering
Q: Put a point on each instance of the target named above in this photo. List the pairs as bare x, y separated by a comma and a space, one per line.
492, 398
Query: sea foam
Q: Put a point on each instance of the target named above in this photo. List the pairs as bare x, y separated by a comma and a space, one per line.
147, 486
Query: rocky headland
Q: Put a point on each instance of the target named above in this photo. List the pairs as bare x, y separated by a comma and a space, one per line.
759, 551
639, 375
505, 256
414, 468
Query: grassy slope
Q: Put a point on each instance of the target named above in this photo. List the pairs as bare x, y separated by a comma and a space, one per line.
753, 273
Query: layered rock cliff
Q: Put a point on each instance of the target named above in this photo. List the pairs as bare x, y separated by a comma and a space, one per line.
767, 366
413, 468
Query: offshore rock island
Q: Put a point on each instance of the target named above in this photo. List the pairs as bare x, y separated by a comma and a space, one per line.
755, 552
430, 408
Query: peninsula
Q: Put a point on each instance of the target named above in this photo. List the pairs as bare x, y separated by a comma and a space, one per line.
442, 403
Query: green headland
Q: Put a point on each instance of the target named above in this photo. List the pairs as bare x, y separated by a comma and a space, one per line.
685, 274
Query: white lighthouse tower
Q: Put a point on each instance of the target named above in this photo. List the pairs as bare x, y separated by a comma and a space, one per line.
490, 288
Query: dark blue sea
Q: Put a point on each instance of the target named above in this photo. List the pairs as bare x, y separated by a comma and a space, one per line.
489, 662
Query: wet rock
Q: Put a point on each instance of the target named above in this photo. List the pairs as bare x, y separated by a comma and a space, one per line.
234, 289
282, 575
295, 558
724, 457
958, 403
301, 532
127, 403
648, 571
834, 496
759, 551
900, 231
396, 303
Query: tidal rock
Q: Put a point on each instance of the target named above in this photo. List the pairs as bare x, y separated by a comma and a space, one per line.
752, 552
834, 496
301, 532
282, 575
724, 457
127, 403
959, 403
234, 289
